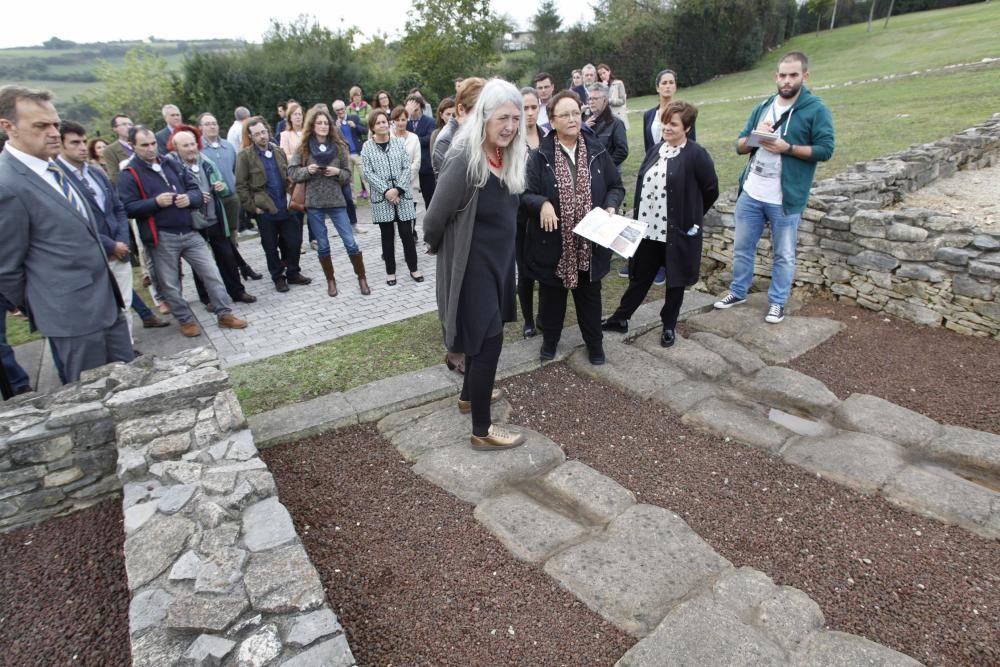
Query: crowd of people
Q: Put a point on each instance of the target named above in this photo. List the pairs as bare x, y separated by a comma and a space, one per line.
504, 175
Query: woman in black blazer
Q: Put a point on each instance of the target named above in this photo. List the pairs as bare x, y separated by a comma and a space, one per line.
675, 187
556, 199
666, 87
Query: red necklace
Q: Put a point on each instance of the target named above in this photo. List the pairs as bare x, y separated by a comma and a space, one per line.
498, 164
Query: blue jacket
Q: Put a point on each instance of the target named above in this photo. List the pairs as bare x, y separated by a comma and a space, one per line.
359, 133
140, 202
809, 124
423, 127
112, 222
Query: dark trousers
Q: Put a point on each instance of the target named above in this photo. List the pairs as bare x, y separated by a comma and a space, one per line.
140, 307
477, 382
352, 210
648, 259
427, 184
74, 354
386, 229
552, 311
282, 241
240, 262
15, 375
525, 285
225, 258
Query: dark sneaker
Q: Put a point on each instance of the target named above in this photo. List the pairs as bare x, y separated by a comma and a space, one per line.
775, 314
281, 285
729, 301
623, 272
668, 338
299, 279
597, 357
661, 276
547, 353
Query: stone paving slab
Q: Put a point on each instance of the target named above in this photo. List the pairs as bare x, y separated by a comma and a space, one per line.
474, 476
530, 531
444, 427
835, 649
697, 361
596, 496
790, 389
943, 495
739, 356
633, 370
377, 399
858, 461
871, 414
646, 561
300, 420
686, 394
738, 422
965, 447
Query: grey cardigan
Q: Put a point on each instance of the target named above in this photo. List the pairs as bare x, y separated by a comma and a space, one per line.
448, 227
322, 191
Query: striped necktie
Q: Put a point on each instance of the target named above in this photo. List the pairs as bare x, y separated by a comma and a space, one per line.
66, 188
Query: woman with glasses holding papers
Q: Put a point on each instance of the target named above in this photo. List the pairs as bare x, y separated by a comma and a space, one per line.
675, 187
570, 174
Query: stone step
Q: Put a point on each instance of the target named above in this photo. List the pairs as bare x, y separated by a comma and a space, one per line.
943, 495
740, 423
595, 496
737, 355
633, 573
530, 531
877, 416
628, 368
445, 426
858, 461
786, 388
696, 361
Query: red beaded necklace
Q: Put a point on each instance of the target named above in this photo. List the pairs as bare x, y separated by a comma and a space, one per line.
498, 164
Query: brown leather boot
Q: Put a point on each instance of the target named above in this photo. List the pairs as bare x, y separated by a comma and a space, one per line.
358, 262
331, 284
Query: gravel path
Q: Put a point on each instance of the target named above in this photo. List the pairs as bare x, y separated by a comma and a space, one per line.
413, 577
63, 593
945, 375
923, 588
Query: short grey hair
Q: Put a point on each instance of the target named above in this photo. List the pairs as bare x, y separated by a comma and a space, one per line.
589, 66
169, 107
598, 87
242, 113
340, 102
9, 95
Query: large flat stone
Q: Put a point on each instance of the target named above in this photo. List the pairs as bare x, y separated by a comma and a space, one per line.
331, 653
283, 580
404, 419
737, 422
696, 361
726, 323
644, 563
206, 613
143, 429
180, 391
267, 524
737, 355
859, 461
221, 571
587, 491
307, 628
154, 548
780, 343
966, 448
300, 420
377, 399
147, 609
529, 530
871, 414
473, 475
207, 651
835, 649
517, 358
785, 388
445, 427
684, 395
945, 496
629, 368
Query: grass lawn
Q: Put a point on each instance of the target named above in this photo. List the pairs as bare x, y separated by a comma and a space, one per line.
870, 120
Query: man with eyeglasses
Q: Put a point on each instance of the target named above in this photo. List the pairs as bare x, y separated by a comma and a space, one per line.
545, 88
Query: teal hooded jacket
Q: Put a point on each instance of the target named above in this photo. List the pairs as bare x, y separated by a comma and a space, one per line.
809, 124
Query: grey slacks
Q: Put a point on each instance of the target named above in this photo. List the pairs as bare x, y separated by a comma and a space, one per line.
80, 353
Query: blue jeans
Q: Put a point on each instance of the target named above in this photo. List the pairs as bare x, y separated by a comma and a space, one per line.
352, 211
16, 375
751, 216
317, 225
140, 307
195, 251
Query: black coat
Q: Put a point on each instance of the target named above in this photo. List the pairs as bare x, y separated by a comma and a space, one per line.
692, 188
543, 249
647, 122
610, 131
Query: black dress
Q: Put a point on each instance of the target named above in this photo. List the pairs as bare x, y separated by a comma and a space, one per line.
487, 299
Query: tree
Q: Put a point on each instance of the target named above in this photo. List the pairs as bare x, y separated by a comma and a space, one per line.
449, 38
818, 8
546, 20
137, 88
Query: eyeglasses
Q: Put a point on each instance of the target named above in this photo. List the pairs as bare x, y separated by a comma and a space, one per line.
569, 114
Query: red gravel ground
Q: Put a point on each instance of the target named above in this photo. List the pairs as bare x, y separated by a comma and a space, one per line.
414, 579
921, 587
945, 375
63, 593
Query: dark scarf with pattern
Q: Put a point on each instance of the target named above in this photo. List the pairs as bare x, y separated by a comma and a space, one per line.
574, 204
323, 158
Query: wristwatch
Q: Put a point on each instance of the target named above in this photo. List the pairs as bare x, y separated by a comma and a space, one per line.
791, 147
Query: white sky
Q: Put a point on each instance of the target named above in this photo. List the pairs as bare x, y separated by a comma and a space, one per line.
106, 21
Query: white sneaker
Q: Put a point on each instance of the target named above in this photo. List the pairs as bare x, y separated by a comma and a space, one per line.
775, 314
729, 301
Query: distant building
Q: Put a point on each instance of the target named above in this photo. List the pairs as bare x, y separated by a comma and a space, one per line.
518, 41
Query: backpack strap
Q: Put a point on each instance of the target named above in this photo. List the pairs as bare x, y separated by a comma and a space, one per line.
142, 193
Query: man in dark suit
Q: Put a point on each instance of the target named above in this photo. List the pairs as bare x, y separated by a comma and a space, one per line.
107, 209
52, 263
423, 127
172, 117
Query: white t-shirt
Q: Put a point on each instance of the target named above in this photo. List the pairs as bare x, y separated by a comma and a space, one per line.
764, 180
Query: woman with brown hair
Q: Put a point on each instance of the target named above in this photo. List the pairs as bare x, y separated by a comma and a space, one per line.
95, 153
291, 136
382, 101
323, 163
445, 112
616, 93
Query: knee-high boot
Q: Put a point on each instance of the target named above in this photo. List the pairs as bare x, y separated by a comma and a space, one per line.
358, 262
331, 284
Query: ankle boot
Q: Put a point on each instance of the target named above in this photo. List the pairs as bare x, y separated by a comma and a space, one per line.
331, 284
358, 262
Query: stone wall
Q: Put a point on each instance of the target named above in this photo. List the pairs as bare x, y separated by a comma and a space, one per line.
921, 265
216, 570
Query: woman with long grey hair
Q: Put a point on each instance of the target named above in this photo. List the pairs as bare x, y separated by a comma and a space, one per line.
471, 226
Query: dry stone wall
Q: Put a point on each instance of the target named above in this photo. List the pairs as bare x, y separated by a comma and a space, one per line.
922, 265
216, 570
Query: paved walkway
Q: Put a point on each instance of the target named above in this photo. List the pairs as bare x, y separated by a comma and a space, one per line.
305, 315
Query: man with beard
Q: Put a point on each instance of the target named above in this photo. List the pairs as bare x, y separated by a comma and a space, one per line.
786, 135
